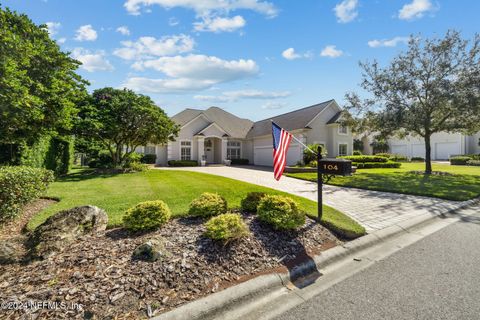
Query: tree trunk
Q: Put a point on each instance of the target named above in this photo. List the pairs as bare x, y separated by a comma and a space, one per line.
428, 155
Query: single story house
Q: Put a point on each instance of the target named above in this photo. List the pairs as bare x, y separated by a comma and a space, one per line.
444, 145
217, 135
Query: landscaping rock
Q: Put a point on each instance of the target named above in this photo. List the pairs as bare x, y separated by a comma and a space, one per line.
64, 227
151, 250
10, 252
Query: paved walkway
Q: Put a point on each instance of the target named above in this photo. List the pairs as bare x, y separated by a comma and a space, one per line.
373, 209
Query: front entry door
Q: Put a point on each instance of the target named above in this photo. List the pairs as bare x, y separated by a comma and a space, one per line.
209, 150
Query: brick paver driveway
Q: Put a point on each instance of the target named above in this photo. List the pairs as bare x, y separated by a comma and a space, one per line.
373, 209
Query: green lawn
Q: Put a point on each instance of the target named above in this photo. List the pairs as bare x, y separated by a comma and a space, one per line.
116, 193
464, 184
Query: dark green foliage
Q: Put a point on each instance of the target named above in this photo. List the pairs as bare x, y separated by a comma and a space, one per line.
364, 158
121, 121
240, 161
20, 185
182, 163
473, 162
149, 158
148, 215
35, 155
207, 205
417, 159
371, 165
357, 153
59, 157
358, 145
39, 86
398, 157
102, 161
380, 145
251, 201
459, 160
309, 156
280, 212
226, 227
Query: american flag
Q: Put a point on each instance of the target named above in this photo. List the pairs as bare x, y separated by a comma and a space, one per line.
281, 141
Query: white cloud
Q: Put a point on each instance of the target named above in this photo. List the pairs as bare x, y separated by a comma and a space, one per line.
123, 30
219, 24
190, 73
86, 33
149, 47
387, 42
274, 105
230, 96
53, 27
92, 61
415, 9
205, 7
346, 10
290, 54
173, 21
61, 40
331, 52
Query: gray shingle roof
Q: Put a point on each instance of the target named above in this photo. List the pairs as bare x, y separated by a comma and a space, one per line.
293, 120
235, 127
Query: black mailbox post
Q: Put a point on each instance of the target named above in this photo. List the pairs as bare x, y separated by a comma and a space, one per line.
341, 167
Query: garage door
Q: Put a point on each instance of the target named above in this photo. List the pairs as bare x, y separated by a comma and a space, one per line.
418, 150
399, 149
263, 156
443, 150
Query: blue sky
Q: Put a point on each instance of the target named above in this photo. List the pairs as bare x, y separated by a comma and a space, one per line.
253, 58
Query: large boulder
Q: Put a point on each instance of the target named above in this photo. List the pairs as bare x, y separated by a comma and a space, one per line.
64, 227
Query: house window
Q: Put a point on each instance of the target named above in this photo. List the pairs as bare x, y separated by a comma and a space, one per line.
149, 150
342, 149
233, 149
342, 129
186, 150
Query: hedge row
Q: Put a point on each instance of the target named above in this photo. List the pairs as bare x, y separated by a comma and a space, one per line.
363, 159
20, 185
182, 163
459, 160
473, 162
240, 161
372, 165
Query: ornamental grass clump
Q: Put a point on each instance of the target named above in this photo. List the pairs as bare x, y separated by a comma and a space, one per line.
208, 205
226, 227
251, 201
281, 212
148, 215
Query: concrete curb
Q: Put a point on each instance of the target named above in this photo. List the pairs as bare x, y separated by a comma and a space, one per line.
215, 304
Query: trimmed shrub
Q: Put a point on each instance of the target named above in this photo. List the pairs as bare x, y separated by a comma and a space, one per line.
281, 212
136, 166
357, 153
473, 162
417, 159
148, 215
20, 185
251, 201
373, 165
59, 157
398, 157
182, 163
149, 158
361, 159
226, 227
459, 160
384, 154
103, 161
240, 161
207, 205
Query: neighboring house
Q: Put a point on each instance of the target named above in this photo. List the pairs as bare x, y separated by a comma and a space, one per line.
444, 145
216, 135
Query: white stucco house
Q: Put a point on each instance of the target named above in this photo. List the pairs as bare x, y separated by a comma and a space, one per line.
216, 135
444, 145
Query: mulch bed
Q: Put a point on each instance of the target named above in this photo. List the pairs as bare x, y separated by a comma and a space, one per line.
98, 272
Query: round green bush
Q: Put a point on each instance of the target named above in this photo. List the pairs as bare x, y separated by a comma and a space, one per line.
280, 212
251, 201
207, 205
147, 215
226, 227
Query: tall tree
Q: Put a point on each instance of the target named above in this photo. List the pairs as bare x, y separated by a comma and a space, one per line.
121, 121
38, 84
434, 86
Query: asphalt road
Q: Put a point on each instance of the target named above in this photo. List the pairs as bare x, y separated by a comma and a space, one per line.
437, 277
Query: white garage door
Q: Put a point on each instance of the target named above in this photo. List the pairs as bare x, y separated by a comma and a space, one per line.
418, 150
263, 156
443, 150
400, 149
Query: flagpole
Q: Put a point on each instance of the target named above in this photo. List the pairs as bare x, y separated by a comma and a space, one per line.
293, 136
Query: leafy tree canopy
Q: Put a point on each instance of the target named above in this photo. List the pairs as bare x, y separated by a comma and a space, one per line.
38, 84
432, 87
121, 121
